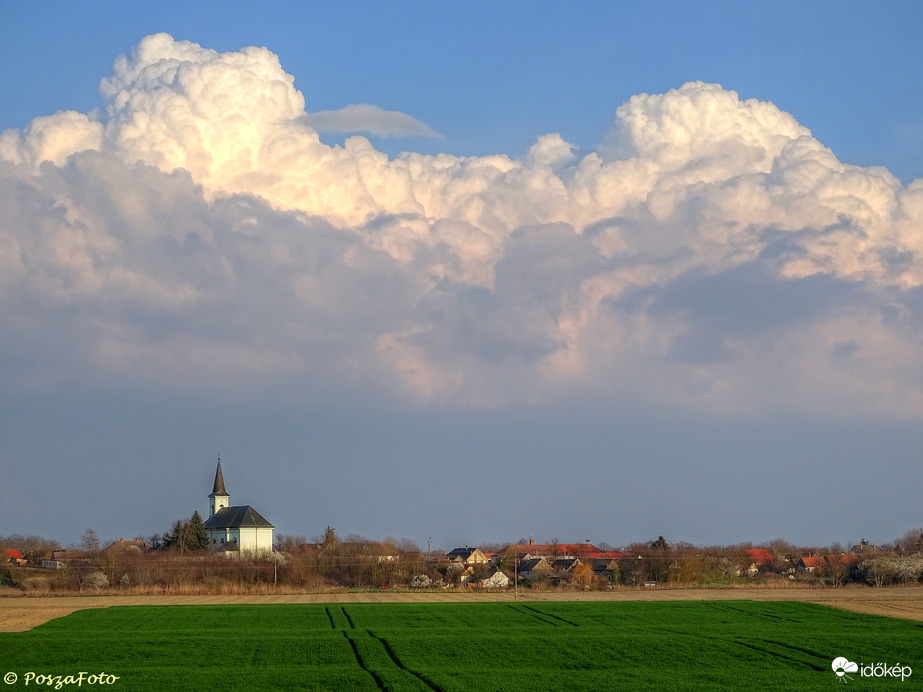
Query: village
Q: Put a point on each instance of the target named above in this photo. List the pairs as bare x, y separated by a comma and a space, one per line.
237, 549
135, 566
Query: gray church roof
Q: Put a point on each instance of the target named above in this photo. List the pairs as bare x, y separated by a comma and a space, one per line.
236, 518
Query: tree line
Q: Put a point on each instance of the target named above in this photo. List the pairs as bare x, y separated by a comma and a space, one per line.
179, 558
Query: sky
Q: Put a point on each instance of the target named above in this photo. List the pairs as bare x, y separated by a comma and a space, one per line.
463, 273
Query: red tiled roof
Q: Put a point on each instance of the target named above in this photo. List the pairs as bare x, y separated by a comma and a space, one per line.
13, 554
809, 561
575, 549
759, 555
830, 559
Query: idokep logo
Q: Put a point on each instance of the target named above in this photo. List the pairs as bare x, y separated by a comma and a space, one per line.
842, 666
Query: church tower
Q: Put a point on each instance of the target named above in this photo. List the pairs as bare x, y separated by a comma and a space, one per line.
235, 529
219, 498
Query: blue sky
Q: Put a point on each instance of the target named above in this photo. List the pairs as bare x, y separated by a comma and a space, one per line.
492, 77
602, 273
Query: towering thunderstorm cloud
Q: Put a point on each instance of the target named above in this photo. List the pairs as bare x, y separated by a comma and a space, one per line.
196, 232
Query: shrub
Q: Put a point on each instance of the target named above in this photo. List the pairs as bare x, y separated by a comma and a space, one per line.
421, 581
96, 580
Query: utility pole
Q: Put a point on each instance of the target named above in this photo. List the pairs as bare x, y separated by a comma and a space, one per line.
516, 575
429, 546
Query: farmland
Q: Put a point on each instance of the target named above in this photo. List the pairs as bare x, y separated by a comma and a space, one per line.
463, 646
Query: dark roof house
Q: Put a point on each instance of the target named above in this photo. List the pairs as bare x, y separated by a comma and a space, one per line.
467, 556
535, 567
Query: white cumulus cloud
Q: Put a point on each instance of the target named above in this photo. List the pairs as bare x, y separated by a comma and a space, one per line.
709, 254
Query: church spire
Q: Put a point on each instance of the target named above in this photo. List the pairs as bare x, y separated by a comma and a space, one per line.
219, 481
219, 498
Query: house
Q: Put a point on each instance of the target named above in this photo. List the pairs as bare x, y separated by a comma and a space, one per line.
603, 566
760, 556
840, 566
239, 528
61, 558
564, 566
497, 580
555, 551
865, 548
809, 563
121, 546
842, 560
15, 557
835, 564
535, 568
467, 556
602, 555
460, 572
757, 558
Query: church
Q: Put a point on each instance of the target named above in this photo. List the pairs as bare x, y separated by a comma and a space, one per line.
241, 529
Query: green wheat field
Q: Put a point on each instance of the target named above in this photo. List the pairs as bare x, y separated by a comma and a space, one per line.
698, 645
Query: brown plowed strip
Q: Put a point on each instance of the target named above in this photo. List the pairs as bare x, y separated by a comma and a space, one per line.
18, 614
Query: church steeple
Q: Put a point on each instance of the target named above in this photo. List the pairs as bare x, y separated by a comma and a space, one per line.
218, 499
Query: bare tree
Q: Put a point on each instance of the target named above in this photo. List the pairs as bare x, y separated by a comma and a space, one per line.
89, 542
286, 543
837, 568
911, 542
781, 549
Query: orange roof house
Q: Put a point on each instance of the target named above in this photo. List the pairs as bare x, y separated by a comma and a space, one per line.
556, 551
760, 556
809, 563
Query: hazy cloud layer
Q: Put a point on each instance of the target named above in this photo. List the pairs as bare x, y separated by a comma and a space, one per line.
373, 120
709, 255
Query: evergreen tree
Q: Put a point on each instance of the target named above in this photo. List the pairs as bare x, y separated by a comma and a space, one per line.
167, 539
197, 536
177, 537
186, 535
